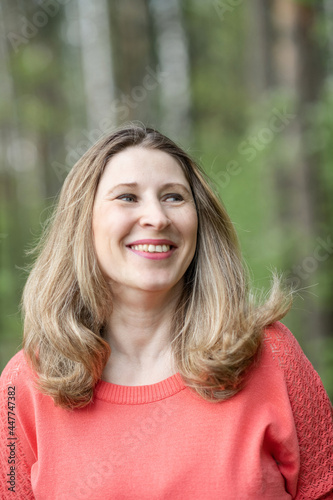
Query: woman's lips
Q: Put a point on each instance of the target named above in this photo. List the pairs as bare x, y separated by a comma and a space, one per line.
152, 252
153, 249
151, 241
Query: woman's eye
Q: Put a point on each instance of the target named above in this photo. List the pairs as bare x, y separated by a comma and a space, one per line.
168, 197
174, 196
127, 197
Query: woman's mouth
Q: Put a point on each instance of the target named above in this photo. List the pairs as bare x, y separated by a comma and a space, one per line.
152, 251
151, 248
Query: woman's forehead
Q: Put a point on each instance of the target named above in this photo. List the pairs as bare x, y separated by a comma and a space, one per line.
138, 163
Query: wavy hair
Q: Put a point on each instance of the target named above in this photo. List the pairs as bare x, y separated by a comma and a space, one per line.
218, 323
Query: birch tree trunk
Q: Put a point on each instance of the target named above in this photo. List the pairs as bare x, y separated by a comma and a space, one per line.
328, 9
97, 62
174, 63
133, 43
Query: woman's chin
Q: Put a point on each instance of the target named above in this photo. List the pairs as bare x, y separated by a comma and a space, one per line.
152, 286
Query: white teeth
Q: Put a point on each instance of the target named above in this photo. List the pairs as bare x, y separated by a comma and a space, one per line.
151, 248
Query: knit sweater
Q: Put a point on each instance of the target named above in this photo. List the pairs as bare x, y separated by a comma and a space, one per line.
272, 440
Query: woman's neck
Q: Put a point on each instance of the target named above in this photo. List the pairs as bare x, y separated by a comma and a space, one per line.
138, 333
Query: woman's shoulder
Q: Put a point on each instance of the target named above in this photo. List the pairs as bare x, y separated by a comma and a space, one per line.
17, 371
311, 407
278, 336
298, 372
285, 348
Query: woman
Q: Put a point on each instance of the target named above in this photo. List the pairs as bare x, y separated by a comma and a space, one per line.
147, 370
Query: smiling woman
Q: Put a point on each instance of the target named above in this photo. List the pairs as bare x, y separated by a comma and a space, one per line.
145, 240
148, 369
131, 227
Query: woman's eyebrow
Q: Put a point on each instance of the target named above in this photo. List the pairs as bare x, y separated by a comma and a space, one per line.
171, 185
168, 185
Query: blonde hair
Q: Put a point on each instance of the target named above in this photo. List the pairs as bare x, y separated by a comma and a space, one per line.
217, 326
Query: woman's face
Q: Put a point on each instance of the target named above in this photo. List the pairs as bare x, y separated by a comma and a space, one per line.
144, 221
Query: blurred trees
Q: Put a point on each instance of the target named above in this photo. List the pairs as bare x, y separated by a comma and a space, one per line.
292, 40
246, 87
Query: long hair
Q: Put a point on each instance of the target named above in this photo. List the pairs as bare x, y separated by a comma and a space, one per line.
217, 326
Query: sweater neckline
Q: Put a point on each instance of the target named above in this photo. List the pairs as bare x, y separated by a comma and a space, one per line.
139, 394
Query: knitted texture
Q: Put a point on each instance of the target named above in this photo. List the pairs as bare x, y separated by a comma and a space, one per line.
273, 440
304, 387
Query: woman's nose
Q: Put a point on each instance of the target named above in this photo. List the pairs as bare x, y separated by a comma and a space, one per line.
154, 215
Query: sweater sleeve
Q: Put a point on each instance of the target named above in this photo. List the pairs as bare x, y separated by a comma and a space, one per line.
14, 465
312, 411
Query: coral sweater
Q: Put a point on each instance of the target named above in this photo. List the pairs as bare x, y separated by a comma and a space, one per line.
273, 440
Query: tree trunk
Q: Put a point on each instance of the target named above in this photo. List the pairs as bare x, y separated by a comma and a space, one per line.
173, 58
97, 62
